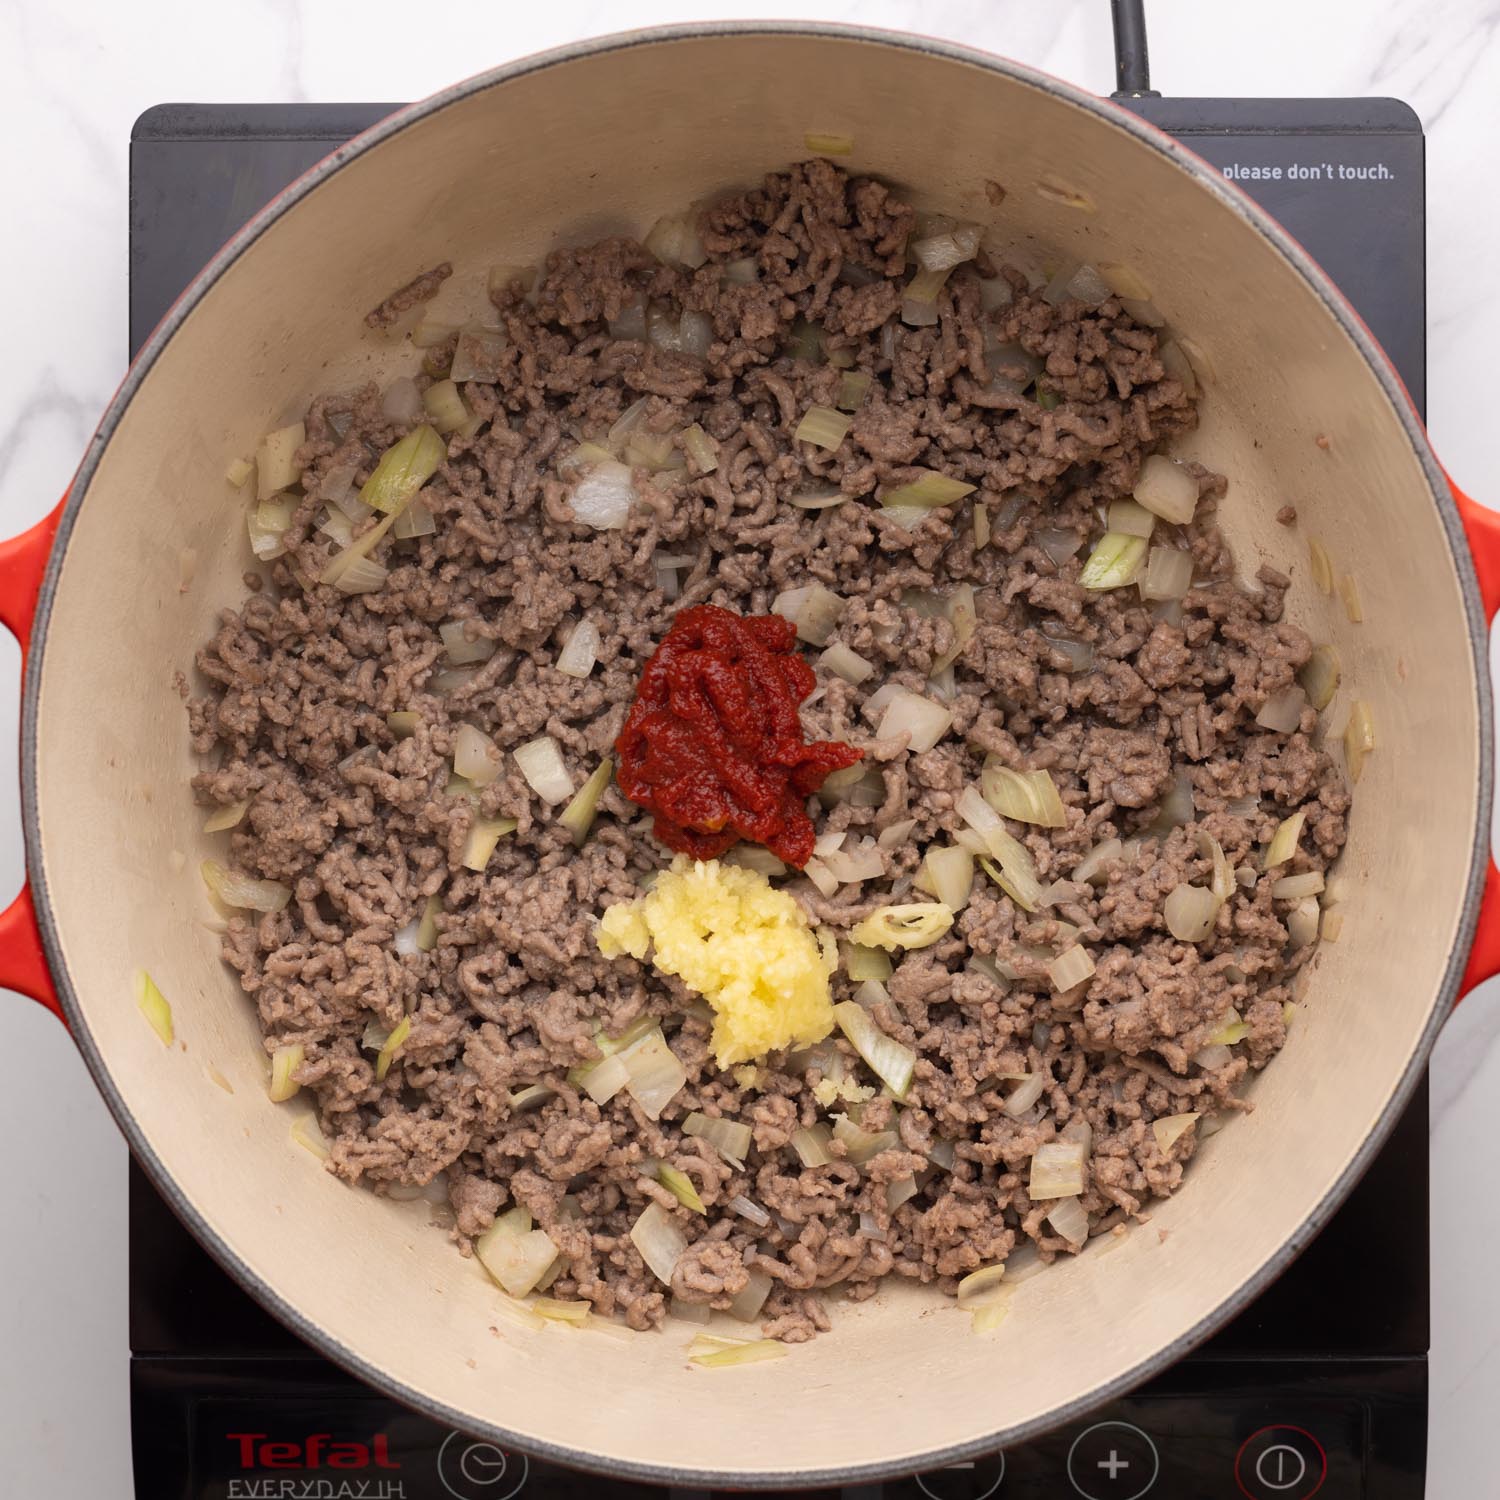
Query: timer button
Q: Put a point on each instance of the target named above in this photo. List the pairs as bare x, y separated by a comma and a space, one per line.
1281, 1463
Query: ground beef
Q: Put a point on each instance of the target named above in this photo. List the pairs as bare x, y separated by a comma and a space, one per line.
1123, 703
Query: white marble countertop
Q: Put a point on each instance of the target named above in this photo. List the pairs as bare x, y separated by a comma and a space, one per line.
76, 78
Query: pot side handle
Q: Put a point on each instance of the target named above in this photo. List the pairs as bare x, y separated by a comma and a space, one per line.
23, 561
1482, 526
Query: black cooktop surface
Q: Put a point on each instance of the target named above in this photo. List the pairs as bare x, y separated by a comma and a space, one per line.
1320, 1387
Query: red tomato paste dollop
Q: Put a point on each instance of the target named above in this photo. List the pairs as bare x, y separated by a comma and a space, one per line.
713, 744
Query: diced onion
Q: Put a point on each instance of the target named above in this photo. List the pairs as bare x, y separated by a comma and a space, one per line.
225, 817
1349, 593
811, 1145
1079, 283
476, 757
517, 1261
919, 303
444, 406
541, 763
1058, 545
414, 520
902, 1190
1025, 1094
1056, 1171
859, 1145
730, 1138
854, 386
1282, 712
1114, 562
1231, 1029
862, 963
1302, 923
909, 713
391, 1046
402, 402
577, 657
267, 523
1092, 868
1333, 925
1283, 843
1176, 808
1214, 1056
602, 1080
1026, 796
403, 469
990, 1315
979, 1283
309, 1135
560, 1312
896, 834
1295, 887
950, 872
1168, 575
1167, 490
238, 472
1190, 912
1170, 1129
944, 250
914, 925
153, 1005
959, 607
659, 1240
674, 240
1070, 968
603, 496
460, 648
483, 836
578, 816
850, 866
813, 609
1322, 565
817, 499
701, 448
1359, 737
276, 466
1320, 676
748, 1208
478, 356
1069, 1219
1079, 654
889, 1059
1012, 368
284, 1062
1123, 281
823, 427
748, 1301
656, 1074
749, 1353
243, 892
845, 663
929, 489
1177, 365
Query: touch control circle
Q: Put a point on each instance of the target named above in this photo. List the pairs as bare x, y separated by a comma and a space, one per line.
1281, 1463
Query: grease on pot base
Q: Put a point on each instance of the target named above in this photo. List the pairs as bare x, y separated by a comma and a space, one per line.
572, 496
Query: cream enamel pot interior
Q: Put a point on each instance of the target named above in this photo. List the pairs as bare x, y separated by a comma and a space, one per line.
604, 138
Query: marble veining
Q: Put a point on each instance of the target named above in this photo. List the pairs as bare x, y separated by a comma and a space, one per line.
76, 78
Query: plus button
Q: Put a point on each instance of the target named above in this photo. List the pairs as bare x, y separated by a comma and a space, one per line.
1114, 1463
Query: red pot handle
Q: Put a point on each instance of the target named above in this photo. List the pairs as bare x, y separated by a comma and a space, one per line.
1482, 526
23, 561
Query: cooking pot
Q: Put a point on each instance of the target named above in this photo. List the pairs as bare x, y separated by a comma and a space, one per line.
1300, 407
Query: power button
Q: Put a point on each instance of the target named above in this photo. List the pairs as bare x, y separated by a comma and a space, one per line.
1281, 1463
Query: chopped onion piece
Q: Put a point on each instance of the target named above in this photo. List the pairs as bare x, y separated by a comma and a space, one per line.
909, 713
276, 466
578, 816
1056, 1171
959, 607
541, 763
889, 1059
478, 356
1168, 575
460, 648
577, 657
817, 499
1070, 969
243, 892
656, 1074
1214, 1056
813, 609
929, 489
1176, 808
476, 757
603, 497
415, 520
391, 1046
845, 663
919, 303
811, 1145
483, 836
533, 1096
902, 1190
979, 1283
1167, 490
1349, 593
516, 1260
153, 1005
1069, 1219
1170, 1129
730, 1138
862, 963
988, 1316
755, 857
1231, 1029
1092, 868
225, 817
681, 1187
1025, 1094
403, 469
897, 834
854, 386
1359, 737
749, 1300
284, 1062
701, 448
950, 872
602, 1080
560, 1312
445, 407
748, 1208
1320, 676
1295, 887
1190, 912
914, 925
1302, 923
1322, 565
1282, 712
402, 402
749, 1353
859, 1145
823, 427
674, 240
360, 575
309, 1135
238, 472
1333, 925
267, 524
1058, 545
1026, 796
1114, 562
850, 866
660, 1242
1283, 843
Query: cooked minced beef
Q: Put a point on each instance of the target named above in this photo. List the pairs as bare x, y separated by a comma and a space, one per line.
301, 678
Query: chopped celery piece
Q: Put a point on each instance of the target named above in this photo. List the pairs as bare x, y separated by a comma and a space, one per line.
750, 1353
483, 836
403, 723
393, 1044
1283, 843
729, 1138
822, 143
1114, 562
427, 933
854, 386
823, 427
276, 465
928, 490
578, 816
225, 817
862, 962
988, 1316
1170, 1129
284, 1062
445, 406
681, 1187
1070, 969
1026, 796
701, 448
915, 924
1056, 1171
1359, 738
403, 469
153, 1005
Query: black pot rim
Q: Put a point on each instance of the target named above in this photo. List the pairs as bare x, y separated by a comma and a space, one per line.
1254, 219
